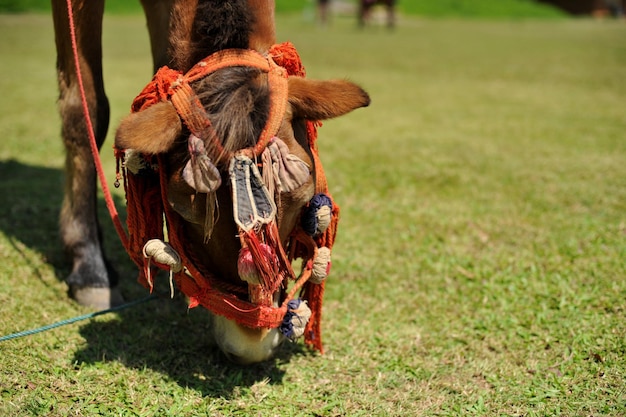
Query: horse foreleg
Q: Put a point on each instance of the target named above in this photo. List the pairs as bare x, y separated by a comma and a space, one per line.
158, 14
92, 281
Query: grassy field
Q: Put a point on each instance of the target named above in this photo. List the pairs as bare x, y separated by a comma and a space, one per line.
480, 266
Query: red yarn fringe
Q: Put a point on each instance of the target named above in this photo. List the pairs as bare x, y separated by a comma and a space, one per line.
314, 295
266, 265
144, 208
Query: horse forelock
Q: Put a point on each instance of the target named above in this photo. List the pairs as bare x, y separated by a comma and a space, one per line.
237, 102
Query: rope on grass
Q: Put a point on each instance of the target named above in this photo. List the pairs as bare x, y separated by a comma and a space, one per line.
79, 318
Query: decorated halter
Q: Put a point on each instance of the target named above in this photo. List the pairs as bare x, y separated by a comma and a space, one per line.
264, 263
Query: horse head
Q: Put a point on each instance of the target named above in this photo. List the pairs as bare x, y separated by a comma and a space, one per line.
224, 144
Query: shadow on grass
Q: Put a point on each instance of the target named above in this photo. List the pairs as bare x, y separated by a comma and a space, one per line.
162, 335
31, 200
166, 337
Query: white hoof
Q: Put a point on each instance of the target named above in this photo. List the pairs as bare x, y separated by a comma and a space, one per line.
243, 345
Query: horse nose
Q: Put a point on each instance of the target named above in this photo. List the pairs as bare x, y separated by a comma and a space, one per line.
246, 357
243, 359
233, 357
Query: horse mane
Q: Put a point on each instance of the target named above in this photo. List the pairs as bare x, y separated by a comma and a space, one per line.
202, 27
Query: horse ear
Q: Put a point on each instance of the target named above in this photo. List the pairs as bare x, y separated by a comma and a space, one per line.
321, 100
149, 131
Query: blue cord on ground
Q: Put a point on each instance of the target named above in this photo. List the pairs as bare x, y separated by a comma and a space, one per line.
79, 318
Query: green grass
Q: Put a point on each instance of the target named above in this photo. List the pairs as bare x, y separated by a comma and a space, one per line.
481, 258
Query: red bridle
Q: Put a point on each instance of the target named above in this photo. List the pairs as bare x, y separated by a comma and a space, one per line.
148, 203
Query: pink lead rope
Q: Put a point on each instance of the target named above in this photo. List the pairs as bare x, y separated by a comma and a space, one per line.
92, 137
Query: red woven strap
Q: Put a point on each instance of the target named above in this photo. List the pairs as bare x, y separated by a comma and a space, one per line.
159, 89
228, 305
193, 113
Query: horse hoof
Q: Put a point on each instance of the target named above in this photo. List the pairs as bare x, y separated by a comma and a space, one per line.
99, 298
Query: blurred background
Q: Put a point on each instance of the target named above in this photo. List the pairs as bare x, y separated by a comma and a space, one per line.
439, 8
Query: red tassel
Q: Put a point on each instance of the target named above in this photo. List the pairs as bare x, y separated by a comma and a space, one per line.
246, 268
284, 264
286, 55
144, 215
265, 261
193, 302
313, 294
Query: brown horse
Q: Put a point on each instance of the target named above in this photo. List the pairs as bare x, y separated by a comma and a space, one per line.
365, 10
247, 125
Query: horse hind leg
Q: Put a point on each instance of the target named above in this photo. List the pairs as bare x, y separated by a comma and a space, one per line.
361, 14
92, 281
391, 14
158, 14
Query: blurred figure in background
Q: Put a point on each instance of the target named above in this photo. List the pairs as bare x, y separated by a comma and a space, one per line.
323, 7
616, 8
365, 9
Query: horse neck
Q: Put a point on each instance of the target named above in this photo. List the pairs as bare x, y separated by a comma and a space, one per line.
264, 32
183, 15
185, 47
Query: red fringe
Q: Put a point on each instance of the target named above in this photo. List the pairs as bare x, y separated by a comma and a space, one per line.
144, 208
314, 295
266, 265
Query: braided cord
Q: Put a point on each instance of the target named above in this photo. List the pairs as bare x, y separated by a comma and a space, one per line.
79, 318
